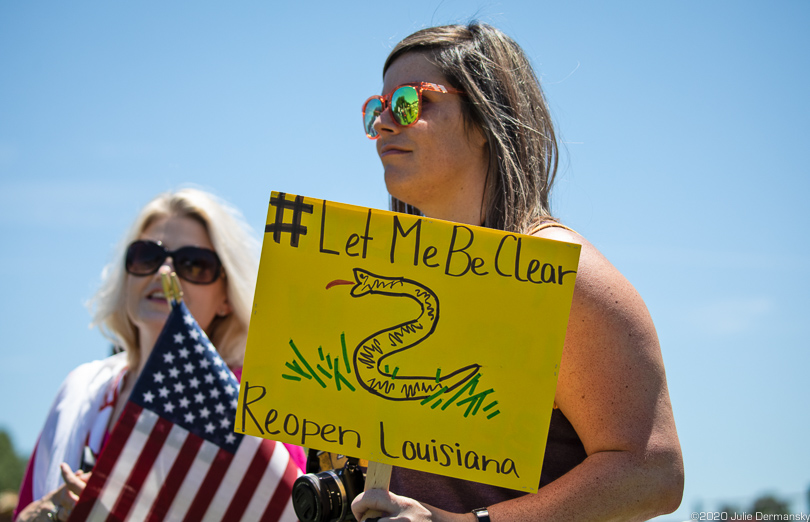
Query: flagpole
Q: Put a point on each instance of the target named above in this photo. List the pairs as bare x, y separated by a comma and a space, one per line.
165, 280
176, 289
171, 287
378, 476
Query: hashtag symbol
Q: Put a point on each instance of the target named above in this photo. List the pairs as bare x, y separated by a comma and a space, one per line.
295, 229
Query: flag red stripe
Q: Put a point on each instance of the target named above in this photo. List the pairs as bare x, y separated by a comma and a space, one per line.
209, 486
250, 481
282, 494
170, 487
143, 465
106, 461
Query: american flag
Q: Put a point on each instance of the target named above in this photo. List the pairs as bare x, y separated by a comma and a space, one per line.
173, 454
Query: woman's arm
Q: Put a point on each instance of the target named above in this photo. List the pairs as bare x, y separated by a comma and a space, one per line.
612, 387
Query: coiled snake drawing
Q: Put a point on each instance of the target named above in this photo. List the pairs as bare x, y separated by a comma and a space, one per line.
372, 351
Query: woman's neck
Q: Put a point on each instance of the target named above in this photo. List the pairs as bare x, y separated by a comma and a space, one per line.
146, 343
465, 210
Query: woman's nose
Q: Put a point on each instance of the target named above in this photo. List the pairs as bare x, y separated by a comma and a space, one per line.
168, 262
385, 122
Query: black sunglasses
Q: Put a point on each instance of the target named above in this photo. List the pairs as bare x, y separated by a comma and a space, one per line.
193, 264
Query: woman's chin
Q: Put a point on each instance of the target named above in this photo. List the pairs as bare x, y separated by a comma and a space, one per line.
151, 322
400, 186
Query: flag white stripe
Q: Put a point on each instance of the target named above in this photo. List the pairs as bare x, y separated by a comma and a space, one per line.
267, 484
232, 479
192, 481
289, 514
118, 476
157, 475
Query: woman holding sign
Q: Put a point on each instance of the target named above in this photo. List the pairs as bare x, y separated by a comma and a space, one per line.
464, 135
214, 255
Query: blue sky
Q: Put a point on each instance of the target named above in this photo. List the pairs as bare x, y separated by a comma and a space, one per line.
682, 122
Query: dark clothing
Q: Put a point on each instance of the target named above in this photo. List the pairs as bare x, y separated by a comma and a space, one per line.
564, 451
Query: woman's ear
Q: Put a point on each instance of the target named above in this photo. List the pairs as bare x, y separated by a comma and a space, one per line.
224, 309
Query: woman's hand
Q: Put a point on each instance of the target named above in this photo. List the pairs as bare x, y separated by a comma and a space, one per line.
65, 497
61, 500
401, 509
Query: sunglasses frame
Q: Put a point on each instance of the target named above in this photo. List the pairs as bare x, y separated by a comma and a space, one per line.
419, 87
179, 269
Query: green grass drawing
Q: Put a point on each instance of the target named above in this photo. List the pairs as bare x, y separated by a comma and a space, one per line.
443, 398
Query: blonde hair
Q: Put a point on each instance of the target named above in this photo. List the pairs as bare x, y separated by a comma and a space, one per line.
234, 242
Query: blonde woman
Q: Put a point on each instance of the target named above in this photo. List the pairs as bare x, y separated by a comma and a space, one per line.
216, 258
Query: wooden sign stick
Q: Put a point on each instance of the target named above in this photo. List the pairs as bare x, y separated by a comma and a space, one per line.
378, 476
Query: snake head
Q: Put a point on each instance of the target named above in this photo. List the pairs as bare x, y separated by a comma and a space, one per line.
362, 287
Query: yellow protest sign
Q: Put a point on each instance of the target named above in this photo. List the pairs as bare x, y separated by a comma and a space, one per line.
406, 340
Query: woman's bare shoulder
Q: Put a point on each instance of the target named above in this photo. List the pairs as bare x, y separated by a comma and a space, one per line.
612, 360
595, 274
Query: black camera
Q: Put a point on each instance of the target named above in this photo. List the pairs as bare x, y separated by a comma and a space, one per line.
327, 496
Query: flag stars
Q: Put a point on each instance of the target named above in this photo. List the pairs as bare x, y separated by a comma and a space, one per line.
187, 384
190, 384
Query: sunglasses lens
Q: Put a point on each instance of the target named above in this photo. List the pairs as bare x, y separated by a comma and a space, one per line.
197, 265
371, 112
405, 105
144, 257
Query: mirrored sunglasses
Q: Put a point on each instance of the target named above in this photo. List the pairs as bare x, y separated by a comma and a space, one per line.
405, 102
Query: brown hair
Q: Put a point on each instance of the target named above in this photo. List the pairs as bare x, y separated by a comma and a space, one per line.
504, 100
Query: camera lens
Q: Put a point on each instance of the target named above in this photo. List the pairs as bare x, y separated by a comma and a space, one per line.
319, 498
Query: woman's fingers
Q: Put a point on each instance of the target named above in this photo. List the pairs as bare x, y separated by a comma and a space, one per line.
69, 493
74, 482
392, 507
376, 500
